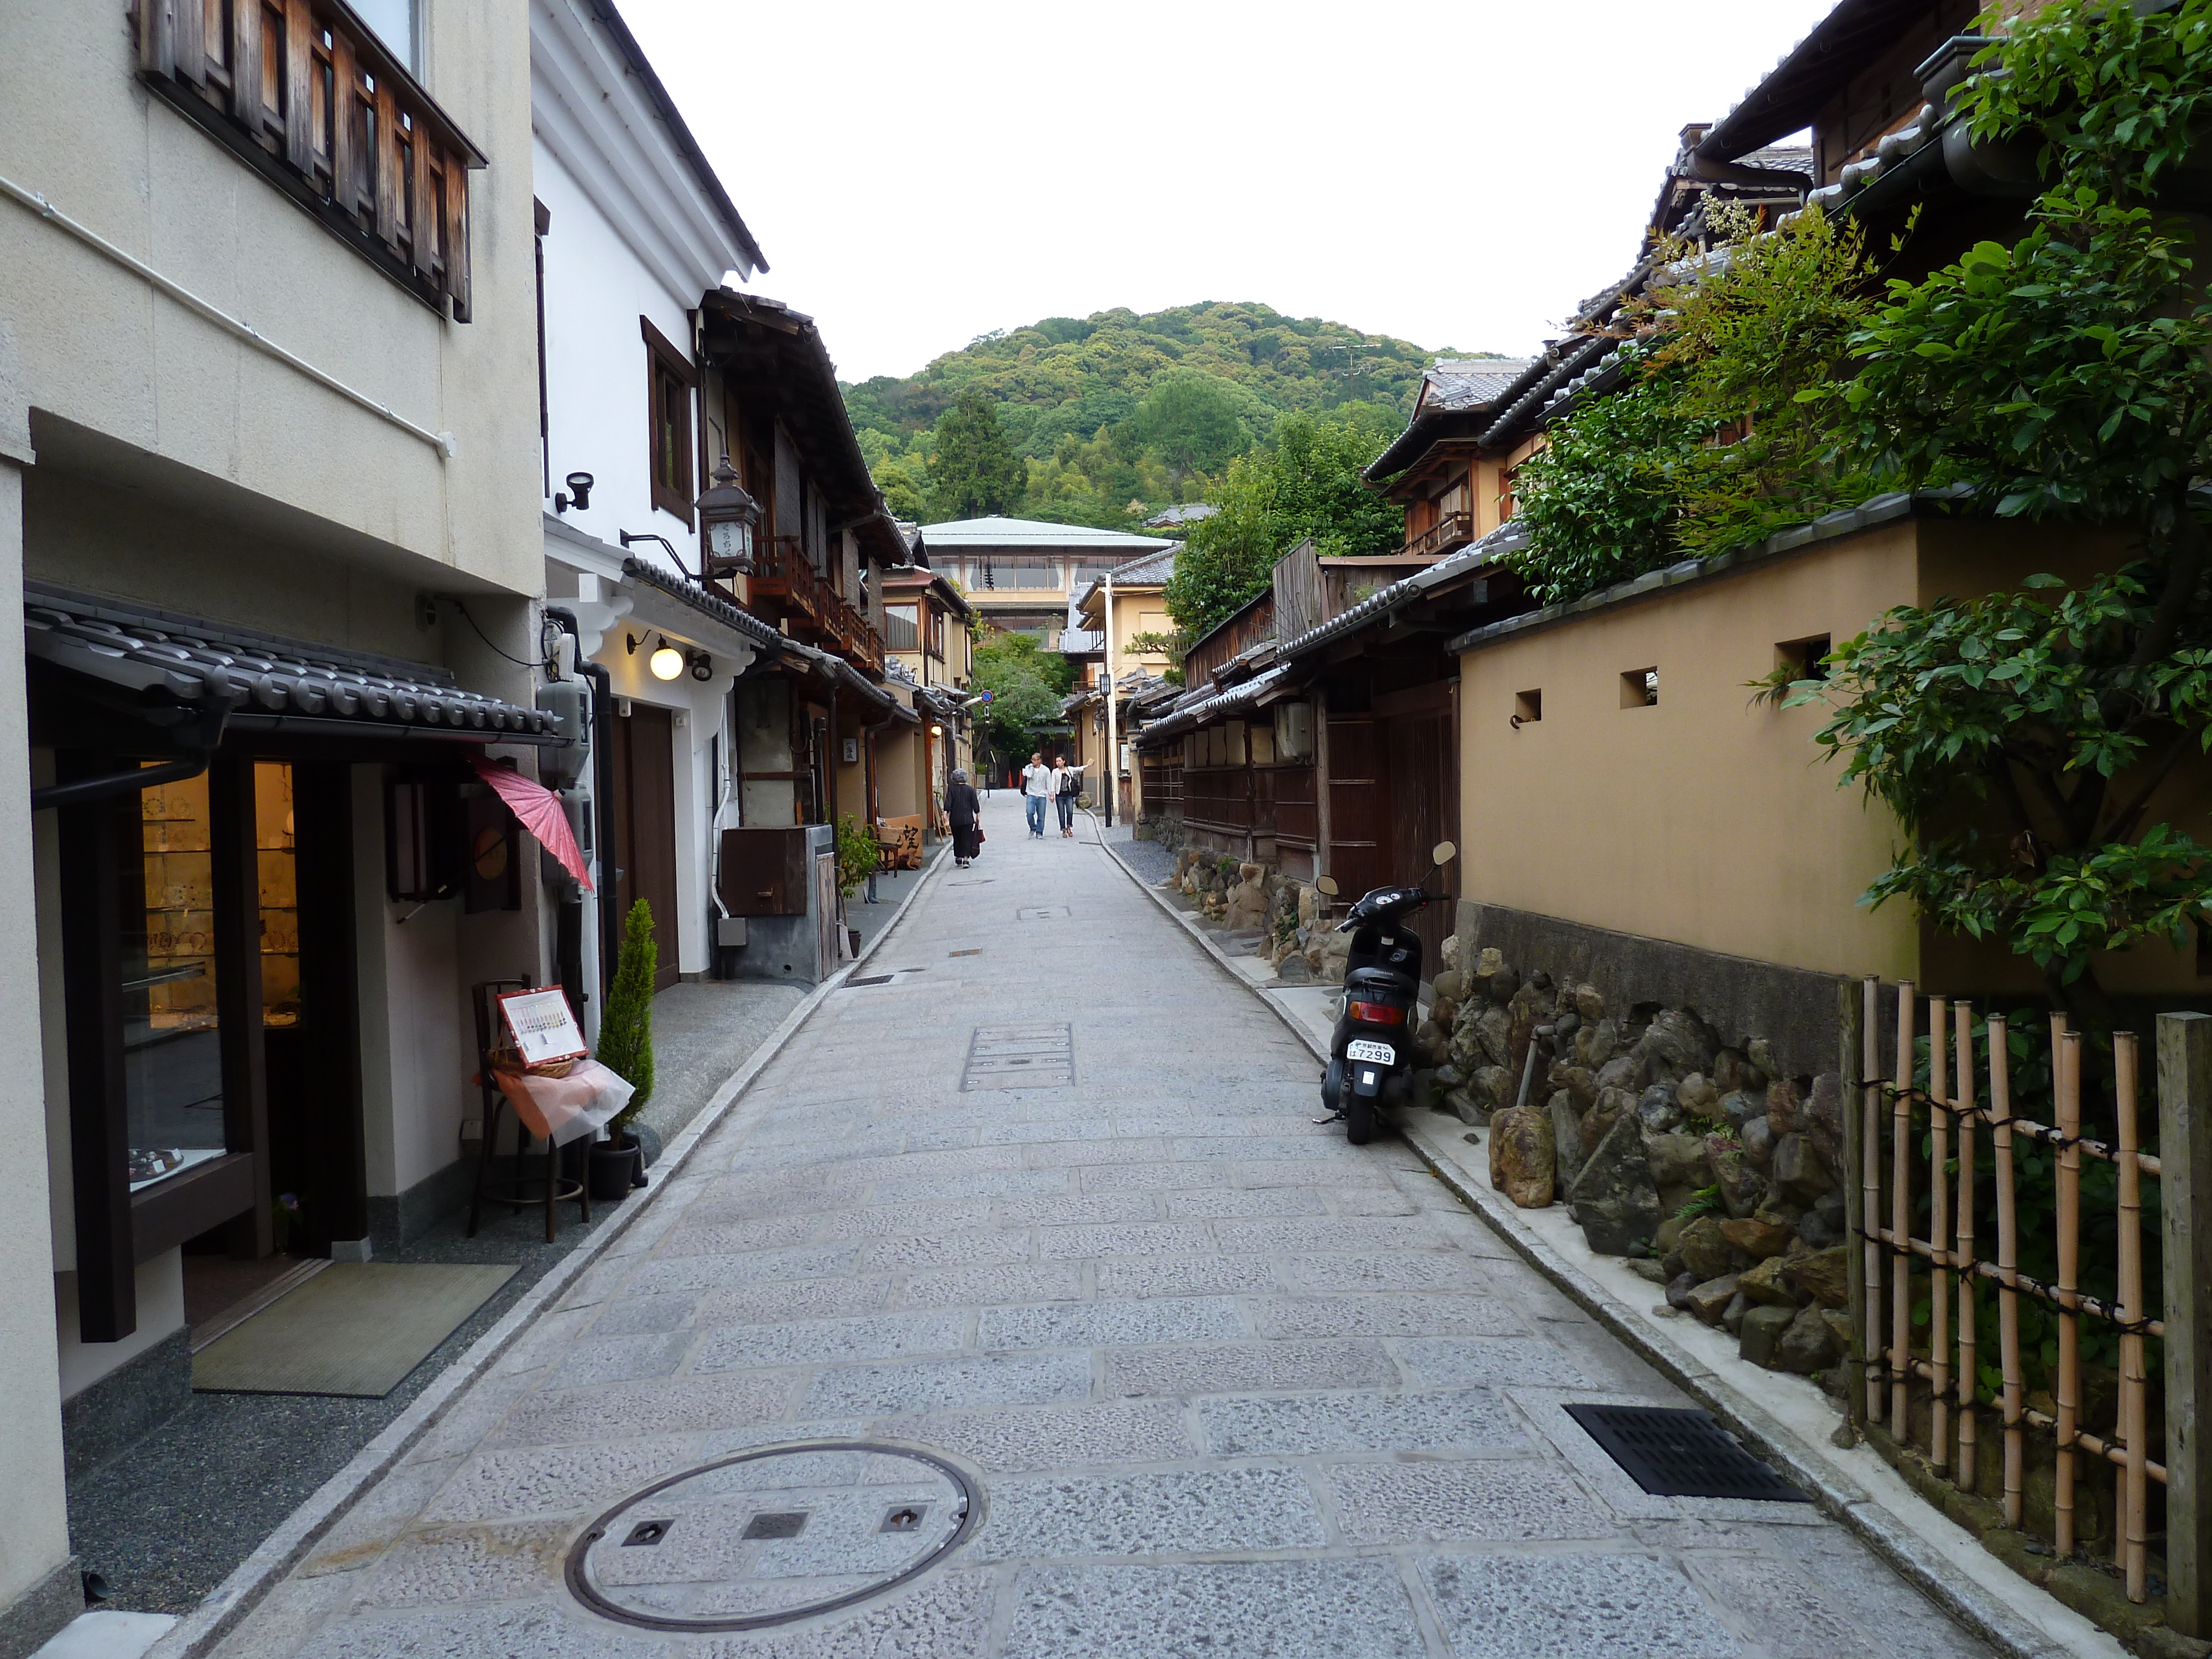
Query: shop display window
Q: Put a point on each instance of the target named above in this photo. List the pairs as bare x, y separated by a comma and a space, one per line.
172, 1043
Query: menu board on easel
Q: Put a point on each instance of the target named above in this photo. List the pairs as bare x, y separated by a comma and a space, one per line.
543, 1025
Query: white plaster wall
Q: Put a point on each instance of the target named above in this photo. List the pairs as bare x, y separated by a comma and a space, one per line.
34, 1521
596, 387
102, 349
161, 1285
415, 1055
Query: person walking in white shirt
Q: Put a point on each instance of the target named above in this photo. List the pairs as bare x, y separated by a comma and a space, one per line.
1036, 790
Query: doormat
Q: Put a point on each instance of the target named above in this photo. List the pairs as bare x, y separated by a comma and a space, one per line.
1673, 1452
355, 1330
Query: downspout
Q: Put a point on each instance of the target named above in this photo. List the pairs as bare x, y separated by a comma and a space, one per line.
603, 789
199, 753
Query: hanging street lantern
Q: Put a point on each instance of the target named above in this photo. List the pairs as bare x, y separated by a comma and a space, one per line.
729, 518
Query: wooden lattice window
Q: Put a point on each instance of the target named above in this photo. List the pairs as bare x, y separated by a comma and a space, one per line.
324, 111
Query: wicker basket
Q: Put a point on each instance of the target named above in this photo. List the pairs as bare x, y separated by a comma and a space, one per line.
510, 1059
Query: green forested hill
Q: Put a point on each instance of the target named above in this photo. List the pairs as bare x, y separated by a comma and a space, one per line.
1116, 414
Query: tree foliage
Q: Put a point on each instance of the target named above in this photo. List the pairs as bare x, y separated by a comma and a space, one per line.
973, 471
1117, 414
1712, 445
1026, 684
2019, 738
1307, 483
626, 1021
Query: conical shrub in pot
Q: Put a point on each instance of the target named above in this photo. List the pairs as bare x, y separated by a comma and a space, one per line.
626, 1039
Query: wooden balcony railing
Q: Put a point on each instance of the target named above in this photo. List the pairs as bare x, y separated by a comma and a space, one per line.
1454, 529
320, 107
784, 572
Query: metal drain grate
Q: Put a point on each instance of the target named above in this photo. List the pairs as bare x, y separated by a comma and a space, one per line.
975, 952
1674, 1452
1042, 913
1020, 1057
872, 979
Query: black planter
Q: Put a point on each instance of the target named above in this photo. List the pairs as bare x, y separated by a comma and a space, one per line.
615, 1169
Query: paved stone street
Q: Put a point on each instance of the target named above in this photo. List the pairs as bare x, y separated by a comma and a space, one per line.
1219, 1384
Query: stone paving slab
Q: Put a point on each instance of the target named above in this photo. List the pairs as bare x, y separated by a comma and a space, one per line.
1222, 1384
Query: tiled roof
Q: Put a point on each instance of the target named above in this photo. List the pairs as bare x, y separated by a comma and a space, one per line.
1035, 532
1451, 384
271, 679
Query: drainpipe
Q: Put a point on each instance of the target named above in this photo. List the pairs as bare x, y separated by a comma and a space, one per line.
603, 789
205, 736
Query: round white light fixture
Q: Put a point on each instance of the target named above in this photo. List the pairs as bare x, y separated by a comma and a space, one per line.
667, 661
936, 730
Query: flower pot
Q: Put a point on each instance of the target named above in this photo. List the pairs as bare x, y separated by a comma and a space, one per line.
615, 1166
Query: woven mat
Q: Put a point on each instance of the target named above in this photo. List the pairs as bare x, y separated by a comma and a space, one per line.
355, 1328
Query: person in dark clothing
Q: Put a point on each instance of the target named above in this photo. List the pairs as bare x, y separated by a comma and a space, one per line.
965, 814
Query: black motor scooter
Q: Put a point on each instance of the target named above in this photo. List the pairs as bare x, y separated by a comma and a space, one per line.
1371, 1049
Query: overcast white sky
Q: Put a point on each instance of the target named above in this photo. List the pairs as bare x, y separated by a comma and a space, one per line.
1457, 172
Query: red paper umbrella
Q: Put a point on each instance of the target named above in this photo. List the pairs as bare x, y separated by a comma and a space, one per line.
542, 814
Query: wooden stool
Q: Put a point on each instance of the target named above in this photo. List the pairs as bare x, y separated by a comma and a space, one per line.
512, 1191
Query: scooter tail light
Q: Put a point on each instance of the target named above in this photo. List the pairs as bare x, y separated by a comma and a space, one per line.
1377, 1013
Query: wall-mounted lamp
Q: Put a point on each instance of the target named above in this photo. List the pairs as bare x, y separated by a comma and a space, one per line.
666, 661
630, 644
728, 517
579, 494
936, 730
702, 667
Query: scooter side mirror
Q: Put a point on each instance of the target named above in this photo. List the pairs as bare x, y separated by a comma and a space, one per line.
1444, 852
1327, 885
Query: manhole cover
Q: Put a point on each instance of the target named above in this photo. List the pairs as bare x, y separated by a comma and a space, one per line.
768, 1536
1675, 1452
1040, 1056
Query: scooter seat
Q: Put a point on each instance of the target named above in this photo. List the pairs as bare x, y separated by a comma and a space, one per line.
1380, 980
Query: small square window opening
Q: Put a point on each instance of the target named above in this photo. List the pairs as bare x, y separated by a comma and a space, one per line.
1801, 660
1639, 687
1528, 706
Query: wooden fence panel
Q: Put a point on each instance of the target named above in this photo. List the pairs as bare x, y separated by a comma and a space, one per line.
1935, 1129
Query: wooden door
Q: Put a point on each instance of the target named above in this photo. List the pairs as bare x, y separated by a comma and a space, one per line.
644, 826
1359, 803
1422, 786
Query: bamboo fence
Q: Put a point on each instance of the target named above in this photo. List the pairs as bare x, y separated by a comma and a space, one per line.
1956, 1109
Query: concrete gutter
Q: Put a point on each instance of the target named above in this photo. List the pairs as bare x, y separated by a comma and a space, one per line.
227, 1606
1784, 1420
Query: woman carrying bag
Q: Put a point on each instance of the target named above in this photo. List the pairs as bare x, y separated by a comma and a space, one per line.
963, 818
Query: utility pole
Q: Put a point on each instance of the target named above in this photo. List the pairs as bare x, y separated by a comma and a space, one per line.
1113, 750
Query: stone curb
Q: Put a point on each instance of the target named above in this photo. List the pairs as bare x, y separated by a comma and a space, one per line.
1906, 1543
227, 1605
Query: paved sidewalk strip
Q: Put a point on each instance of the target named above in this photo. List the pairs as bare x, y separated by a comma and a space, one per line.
1222, 1384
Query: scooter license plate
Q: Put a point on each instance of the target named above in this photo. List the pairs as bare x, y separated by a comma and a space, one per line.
1381, 1053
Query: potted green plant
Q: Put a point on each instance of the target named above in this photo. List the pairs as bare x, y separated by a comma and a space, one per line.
626, 1049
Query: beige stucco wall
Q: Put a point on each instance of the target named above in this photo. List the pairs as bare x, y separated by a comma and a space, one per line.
1703, 819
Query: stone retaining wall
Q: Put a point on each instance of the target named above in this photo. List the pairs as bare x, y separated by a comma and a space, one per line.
1694, 1152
